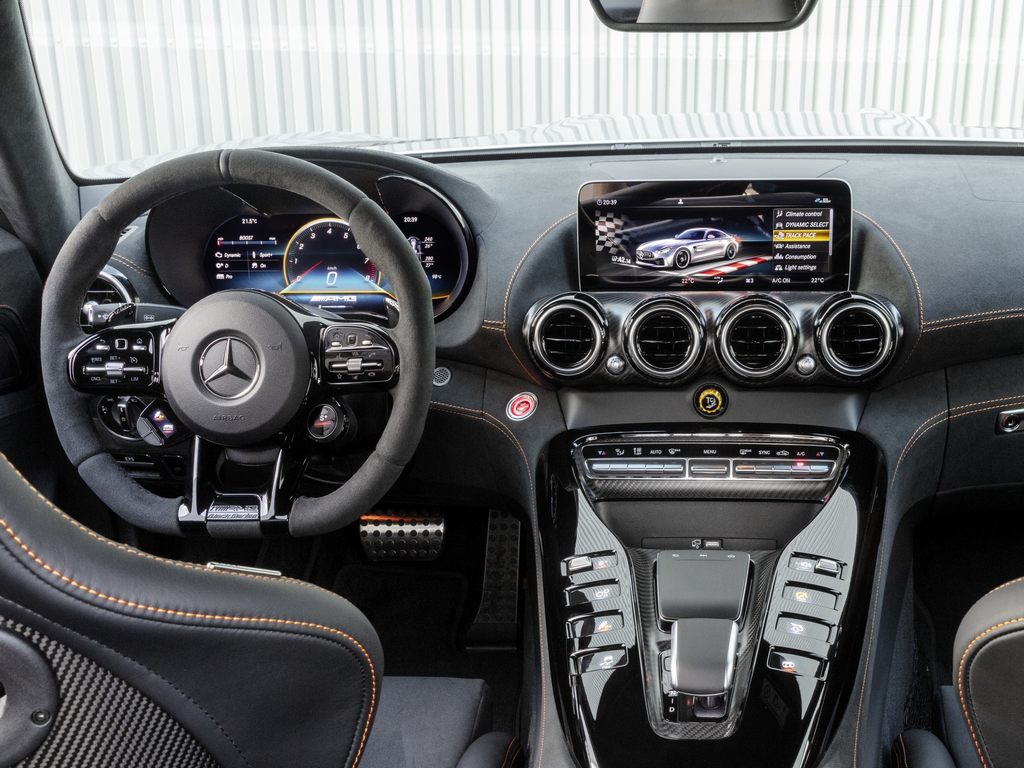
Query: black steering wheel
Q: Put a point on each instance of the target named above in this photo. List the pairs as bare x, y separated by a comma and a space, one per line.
239, 368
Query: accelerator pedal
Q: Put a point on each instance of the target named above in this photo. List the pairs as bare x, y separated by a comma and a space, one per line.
392, 535
496, 621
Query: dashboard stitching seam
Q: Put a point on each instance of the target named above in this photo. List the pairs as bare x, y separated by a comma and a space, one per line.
974, 314
474, 413
906, 263
973, 322
915, 437
913, 277
211, 617
124, 261
515, 272
508, 294
960, 682
145, 555
955, 412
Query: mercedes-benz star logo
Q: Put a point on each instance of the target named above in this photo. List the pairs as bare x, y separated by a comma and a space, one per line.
229, 367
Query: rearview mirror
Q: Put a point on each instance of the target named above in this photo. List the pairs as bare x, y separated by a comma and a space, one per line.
702, 15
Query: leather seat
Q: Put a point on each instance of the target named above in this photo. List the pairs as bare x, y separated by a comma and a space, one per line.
159, 662
983, 710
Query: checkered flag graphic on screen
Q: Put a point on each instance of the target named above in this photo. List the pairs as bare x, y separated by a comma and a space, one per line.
610, 231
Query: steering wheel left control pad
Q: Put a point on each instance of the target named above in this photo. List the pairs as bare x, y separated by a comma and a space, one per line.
236, 367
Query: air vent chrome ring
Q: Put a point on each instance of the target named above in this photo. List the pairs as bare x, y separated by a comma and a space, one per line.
746, 307
539, 320
826, 323
638, 321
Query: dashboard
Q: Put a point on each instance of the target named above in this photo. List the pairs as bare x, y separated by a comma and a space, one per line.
503, 239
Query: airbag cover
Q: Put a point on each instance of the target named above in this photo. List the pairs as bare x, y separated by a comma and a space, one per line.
236, 367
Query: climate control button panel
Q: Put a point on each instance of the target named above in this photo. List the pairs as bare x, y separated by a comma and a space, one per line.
651, 463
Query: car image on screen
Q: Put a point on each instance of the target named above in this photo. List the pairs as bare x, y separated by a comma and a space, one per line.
688, 247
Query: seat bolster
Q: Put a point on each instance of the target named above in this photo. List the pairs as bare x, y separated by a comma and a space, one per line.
222, 653
988, 674
920, 749
493, 750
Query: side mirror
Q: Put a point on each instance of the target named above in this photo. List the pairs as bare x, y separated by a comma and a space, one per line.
702, 15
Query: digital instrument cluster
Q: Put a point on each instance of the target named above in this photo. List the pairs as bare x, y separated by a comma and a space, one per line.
315, 259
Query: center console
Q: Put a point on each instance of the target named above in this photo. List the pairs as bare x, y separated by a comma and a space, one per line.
708, 591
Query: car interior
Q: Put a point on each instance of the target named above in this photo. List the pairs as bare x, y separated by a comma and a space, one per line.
366, 397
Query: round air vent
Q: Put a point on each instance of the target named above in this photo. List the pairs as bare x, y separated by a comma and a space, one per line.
855, 337
756, 339
567, 335
664, 338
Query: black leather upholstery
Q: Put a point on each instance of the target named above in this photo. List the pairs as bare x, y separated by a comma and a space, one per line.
954, 731
429, 722
988, 669
920, 749
260, 671
982, 712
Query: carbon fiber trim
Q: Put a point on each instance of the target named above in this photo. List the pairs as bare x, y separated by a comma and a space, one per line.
103, 722
833, 534
655, 487
654, 641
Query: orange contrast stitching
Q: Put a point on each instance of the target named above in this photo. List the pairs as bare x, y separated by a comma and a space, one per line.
917, 435
1010, 583
508, 294
475, 413
960, 681
967, 315
190, 566
138, 553
972, 322
126, 262
211, 617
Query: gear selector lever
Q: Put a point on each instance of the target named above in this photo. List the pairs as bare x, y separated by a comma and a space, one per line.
701, 597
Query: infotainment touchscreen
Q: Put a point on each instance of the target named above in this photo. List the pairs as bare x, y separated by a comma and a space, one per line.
728, 235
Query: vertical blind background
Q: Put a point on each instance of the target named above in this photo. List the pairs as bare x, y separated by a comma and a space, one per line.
132, 78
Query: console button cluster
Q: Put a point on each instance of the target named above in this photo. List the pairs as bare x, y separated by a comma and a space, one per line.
593, 587
806, 621
357, 355
115, 359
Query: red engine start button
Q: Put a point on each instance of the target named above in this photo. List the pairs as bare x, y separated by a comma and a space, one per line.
521, 406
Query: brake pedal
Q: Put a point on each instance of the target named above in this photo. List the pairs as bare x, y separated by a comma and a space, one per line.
402, 535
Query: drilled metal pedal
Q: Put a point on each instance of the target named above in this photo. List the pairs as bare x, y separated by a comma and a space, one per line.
402, 535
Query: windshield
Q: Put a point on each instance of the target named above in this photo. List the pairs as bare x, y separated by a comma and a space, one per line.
130, 83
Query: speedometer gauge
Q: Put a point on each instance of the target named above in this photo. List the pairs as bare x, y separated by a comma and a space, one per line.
322, 258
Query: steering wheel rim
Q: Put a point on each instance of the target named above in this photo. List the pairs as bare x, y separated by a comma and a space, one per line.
89, 247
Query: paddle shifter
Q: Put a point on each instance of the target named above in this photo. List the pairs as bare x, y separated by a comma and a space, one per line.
700, 600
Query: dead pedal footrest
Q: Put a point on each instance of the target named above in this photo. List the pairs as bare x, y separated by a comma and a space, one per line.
497, 619
402, 535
